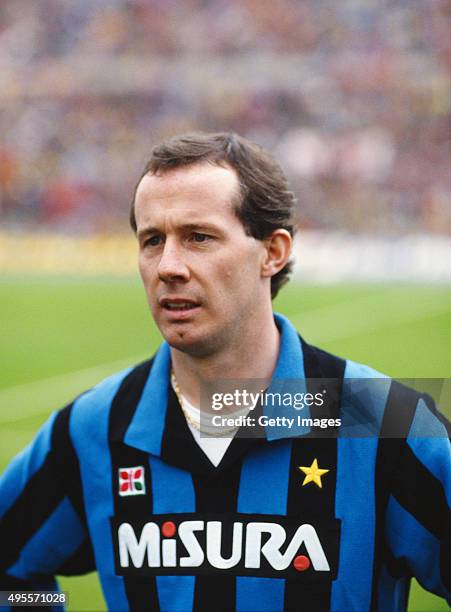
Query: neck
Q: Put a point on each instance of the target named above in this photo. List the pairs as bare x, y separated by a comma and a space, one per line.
253, 355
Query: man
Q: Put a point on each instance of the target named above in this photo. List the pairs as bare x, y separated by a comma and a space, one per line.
122, 480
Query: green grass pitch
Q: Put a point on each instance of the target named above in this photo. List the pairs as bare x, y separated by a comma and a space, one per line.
60, 336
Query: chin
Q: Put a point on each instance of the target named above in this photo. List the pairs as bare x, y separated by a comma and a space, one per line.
190, 344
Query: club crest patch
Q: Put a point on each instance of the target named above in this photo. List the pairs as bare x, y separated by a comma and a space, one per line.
131, 481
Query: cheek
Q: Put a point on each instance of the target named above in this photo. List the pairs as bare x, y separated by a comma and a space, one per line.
229, 274
230, 280
238, 280
242, 265
144, 275
147, 273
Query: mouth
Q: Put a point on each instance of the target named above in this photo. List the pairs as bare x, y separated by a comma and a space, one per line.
178, 306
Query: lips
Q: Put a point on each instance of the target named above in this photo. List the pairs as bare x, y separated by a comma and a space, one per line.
184, 306
178, 304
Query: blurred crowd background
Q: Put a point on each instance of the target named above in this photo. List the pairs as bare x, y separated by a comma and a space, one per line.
352, 96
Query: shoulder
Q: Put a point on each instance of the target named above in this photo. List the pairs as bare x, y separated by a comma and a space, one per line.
374, 401
320, 363
87, 417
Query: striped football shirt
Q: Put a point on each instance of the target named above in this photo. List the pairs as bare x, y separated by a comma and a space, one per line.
115, 482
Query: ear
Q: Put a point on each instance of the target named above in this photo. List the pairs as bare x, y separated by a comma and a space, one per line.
277, 252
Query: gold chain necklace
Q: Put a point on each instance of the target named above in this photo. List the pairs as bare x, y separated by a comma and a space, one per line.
222, 433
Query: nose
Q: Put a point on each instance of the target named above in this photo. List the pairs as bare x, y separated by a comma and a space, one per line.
172, 266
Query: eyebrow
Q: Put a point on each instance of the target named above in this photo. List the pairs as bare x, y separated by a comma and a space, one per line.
145, 231
200, 226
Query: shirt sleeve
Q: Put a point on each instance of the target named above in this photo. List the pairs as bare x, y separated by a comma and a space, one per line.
418, 518
43, 527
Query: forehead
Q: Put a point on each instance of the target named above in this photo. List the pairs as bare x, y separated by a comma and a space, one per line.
199, 191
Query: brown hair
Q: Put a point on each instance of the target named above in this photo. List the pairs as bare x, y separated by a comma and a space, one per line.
266, 203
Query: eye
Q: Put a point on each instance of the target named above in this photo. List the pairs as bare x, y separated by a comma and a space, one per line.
152, 240
198, 237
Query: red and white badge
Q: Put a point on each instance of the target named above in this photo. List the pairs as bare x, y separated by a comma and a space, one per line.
131, 481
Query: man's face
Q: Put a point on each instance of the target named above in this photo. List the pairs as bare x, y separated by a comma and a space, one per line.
201, 272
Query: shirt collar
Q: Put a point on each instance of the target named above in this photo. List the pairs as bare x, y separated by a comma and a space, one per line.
146, 428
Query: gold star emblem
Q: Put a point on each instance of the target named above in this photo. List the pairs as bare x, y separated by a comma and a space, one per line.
313, 474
